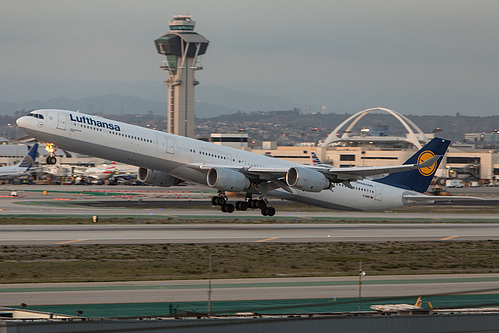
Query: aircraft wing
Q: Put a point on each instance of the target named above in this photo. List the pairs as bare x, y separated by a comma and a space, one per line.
335, 175
357, 173
250, 171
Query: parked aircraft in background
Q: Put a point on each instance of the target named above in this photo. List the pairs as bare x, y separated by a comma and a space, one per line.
165, 160
16, 171
58, 170
101, 173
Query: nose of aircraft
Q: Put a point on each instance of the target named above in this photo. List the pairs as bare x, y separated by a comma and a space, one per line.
21, 122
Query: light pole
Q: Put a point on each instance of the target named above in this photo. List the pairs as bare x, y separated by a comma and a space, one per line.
209, 286
361, 274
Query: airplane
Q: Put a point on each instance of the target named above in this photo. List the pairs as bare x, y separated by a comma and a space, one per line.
166, 159
58, 170
100, 173
16, 171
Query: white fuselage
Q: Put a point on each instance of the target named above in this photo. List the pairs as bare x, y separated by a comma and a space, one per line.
135, 145
12, 172
100, 173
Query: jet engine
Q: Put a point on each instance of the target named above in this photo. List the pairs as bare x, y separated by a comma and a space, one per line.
157, 178
227, 180
307, 179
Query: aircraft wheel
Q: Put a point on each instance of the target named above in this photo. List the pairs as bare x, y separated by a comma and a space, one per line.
251, 203
223, 208
214, 201
264, 211
270, 211
261, 204
243, 205
51, 160
229, 208
221, 201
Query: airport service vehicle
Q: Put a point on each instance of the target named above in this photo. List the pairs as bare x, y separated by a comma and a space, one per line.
16, 171
166, 160
458, 183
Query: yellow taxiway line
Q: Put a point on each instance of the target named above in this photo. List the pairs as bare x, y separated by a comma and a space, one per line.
447, 238
72, 241
266, 239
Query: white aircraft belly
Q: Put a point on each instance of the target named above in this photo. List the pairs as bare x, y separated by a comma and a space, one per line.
343, 198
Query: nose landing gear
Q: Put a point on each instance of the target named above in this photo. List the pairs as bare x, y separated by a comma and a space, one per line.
51, 148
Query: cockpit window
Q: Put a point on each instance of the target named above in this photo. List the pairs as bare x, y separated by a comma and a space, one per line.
36, 115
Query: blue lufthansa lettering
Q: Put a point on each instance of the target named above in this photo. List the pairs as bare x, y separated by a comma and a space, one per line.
97, 123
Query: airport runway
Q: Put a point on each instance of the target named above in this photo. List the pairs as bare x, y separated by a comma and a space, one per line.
190, 202
151, 202
243, 233
246, 289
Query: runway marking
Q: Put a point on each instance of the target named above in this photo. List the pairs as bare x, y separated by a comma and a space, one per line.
266, 239
72, 241
447, 238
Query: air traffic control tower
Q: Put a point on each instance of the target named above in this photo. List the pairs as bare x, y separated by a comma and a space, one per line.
182, 48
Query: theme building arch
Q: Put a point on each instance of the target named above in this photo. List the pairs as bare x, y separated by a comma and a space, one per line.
415, 134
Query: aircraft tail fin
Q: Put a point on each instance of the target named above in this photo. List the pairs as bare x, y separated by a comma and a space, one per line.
315, 160
418, 179
29, 160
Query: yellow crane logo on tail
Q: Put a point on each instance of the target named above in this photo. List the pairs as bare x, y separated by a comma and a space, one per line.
427, 171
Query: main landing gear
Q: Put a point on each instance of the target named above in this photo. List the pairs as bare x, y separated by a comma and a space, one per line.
51, 149
221, 200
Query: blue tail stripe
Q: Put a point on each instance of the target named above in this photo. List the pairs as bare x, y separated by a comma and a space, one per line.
418, 179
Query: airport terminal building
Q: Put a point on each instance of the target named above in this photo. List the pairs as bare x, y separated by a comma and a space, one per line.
345, 147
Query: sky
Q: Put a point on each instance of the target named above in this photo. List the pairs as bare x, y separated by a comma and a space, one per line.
415, 57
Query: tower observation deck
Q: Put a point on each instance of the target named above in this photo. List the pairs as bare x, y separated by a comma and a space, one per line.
182, 48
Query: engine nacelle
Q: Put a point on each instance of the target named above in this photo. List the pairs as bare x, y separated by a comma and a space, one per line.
157, 178
227, 180
307, 179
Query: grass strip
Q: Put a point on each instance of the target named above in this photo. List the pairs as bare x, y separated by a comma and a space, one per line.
82, 263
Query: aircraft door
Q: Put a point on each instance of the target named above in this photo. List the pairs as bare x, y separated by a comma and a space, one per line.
170, 145
377, 193
61, 121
